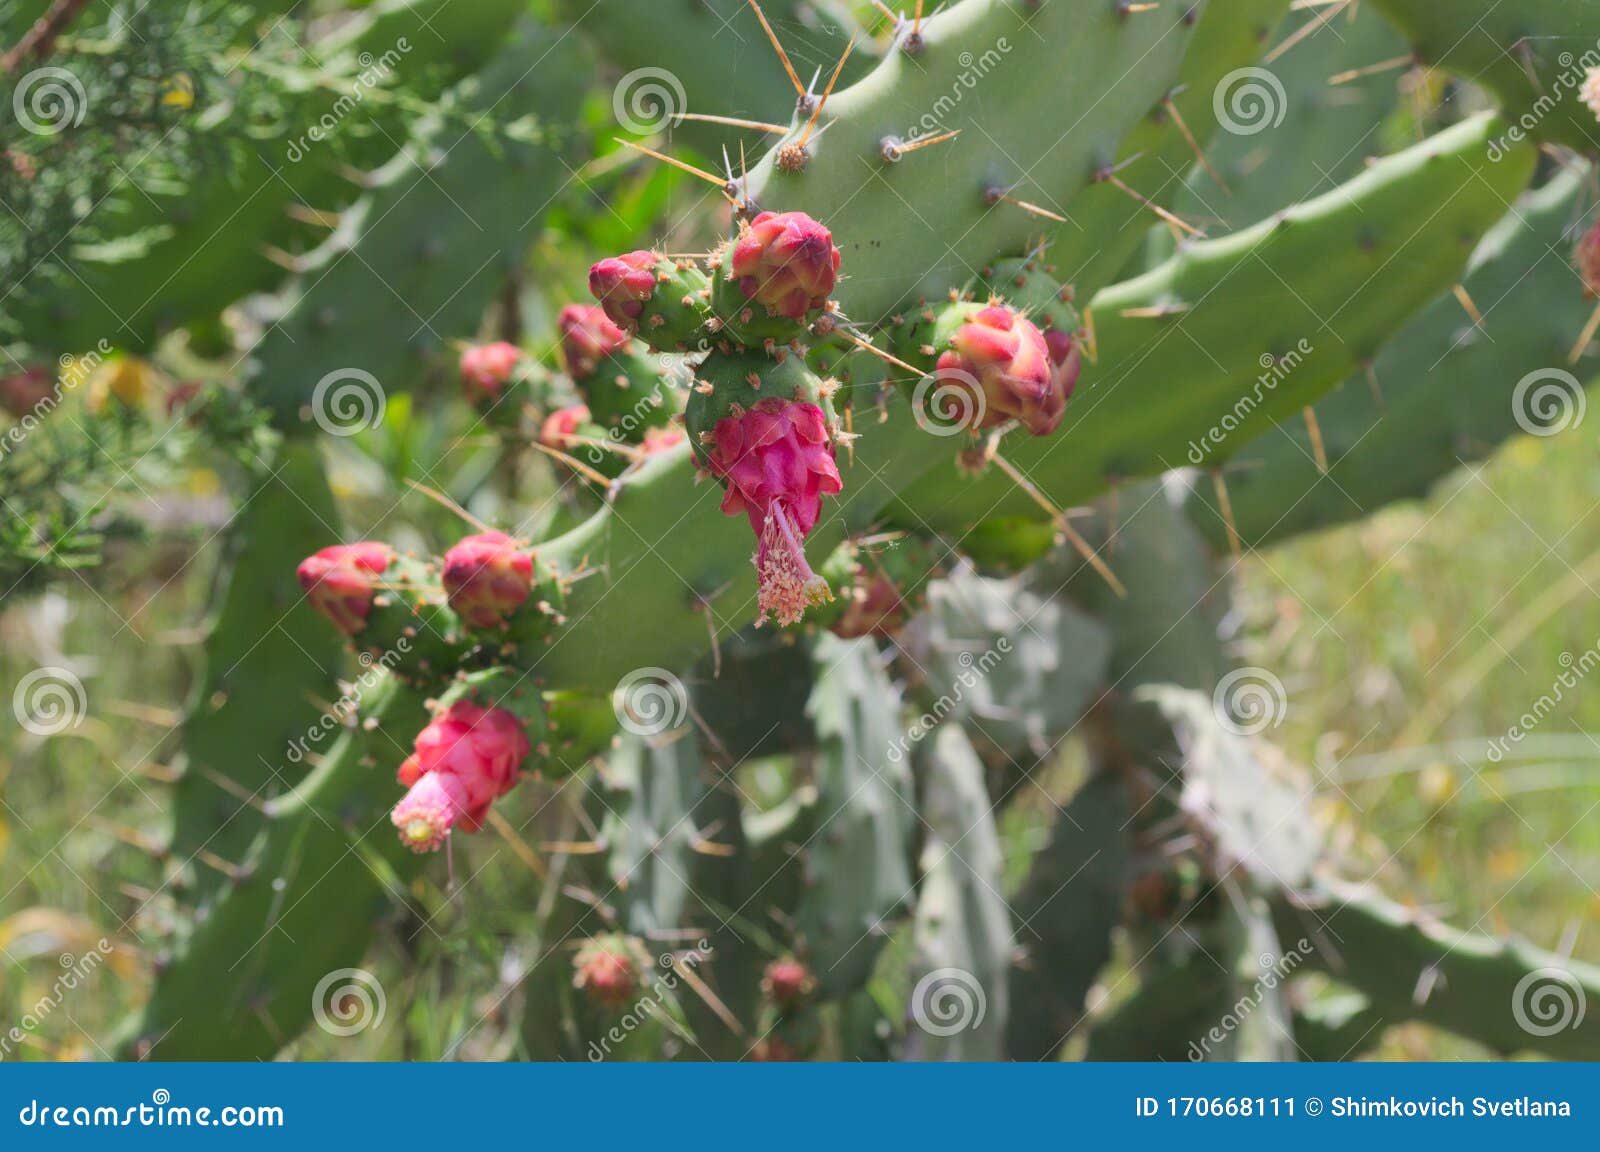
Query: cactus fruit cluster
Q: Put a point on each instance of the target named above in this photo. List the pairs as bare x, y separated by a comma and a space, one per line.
796, 560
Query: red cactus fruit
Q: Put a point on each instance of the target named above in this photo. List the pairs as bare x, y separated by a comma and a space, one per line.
660, 439
606, 973
778, 462
587, 337
486, 368
1007, 357
787, 983
562, 425
487, 578
1067, 357
623, 284
24, 392
1587, 258
340, 581
787, 261
461, 763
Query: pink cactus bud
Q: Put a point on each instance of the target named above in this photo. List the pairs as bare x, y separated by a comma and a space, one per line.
778, 462
1587, 258
587, 337
340, 581
461, 763
623, 284
787, 982
606, 973
1006, 357
24, 392
562, 425
485, 369
487, 578
1067, 357
787, 261
660, 439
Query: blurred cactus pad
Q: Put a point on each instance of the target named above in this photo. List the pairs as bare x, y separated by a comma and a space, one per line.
799, 530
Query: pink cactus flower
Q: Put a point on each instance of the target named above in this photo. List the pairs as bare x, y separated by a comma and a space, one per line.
606, 973
1006, 358
1067, 357
24, 392
787, 261
487, 578
461, 763
562, 425
1587, 258
486, 368
623, 284
778, 462
340, 581
587, 337
660, 439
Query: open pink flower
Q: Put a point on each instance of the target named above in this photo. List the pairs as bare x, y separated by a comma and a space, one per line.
487, 578
587, 337
778, 462
340, 581
787, 261
461, 763
623, 284
486, 368
1000, 354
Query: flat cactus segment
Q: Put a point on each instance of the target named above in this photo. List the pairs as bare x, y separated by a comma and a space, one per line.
1026, 85
857, 868
302, 906
651, 828
1108, 225
1533, 55
254, 728
450, 217
1233, 334
962, 932
1447, 390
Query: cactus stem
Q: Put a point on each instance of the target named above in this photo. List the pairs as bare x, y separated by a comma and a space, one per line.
445, 502
708, 177
576, 465
1371, 69
1314, 431
735, 122
1225, 506
1079, 544
777, 46
1585, 337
